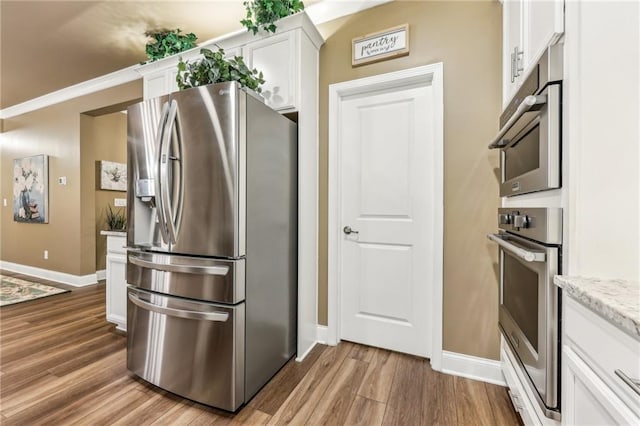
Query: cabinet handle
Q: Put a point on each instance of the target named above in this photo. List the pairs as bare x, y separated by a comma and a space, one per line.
633, 383
513, 77
517, 54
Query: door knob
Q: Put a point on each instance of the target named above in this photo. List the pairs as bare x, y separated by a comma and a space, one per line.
347, 230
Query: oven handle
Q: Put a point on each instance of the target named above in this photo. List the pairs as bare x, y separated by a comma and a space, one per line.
519, 251
530, 103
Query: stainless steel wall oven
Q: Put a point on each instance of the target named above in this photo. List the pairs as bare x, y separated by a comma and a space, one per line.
530, 130
529, 243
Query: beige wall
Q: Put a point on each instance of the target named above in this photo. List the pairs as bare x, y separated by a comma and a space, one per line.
70, 234
102, 138
466, 37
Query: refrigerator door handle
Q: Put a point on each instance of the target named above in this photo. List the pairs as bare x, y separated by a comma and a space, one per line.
180, 313
164, 170
159, 202
187, 269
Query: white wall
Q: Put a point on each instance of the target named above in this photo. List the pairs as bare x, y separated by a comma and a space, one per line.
602, 138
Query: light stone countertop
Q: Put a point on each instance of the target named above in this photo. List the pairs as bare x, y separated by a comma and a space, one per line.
616, 300
114, 233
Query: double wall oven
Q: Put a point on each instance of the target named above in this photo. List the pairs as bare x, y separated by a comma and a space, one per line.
530, 239
530, 256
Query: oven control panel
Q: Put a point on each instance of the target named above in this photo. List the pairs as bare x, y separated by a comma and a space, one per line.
540, 224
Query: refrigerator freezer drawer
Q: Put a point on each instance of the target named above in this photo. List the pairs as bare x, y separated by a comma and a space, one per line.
193, 349
212, 280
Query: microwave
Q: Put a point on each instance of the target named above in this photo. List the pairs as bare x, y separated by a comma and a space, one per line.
530, 135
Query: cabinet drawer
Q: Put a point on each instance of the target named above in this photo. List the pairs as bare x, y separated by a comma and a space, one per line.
116, 245
604, 348
588, 400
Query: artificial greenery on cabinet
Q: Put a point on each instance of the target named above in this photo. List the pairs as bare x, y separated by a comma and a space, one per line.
214, 68
264, 13
168, 42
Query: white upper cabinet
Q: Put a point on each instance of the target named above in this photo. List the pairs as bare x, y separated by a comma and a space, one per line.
528, 27
280, 57
512, 45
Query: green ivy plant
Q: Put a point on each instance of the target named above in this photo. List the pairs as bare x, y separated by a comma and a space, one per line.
263, 13
168, 42
214, 68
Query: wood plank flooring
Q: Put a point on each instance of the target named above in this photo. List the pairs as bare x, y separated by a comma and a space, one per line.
61, 363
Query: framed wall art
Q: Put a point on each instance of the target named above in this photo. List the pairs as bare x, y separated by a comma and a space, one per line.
113, 176
381, 45
31, 189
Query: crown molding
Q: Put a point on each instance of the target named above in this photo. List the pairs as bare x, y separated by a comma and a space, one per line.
85, 88
316, 14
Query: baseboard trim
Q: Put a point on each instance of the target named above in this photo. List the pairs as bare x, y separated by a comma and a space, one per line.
321, 334
101, 274
60, 277
304, 355
472, 367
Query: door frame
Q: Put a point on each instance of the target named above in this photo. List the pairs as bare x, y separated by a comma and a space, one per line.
427, 75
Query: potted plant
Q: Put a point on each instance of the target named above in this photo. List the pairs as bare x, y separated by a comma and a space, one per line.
214, 68
116, 219
168, 42
263, 13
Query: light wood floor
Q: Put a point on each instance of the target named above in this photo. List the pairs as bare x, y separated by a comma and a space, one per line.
62, 363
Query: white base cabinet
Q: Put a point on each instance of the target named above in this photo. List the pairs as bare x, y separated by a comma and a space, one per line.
520, 393
116, 303
593, 350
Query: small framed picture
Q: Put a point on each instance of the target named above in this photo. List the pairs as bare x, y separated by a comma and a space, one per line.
113, 176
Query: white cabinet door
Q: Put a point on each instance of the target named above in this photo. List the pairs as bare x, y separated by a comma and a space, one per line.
587, 399
116, 303
277, 58
117, 291
544, 25
512, 21
528, 28
156, 84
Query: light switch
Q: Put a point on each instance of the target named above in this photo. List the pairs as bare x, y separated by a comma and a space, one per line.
62, 180
120, 202
4, 202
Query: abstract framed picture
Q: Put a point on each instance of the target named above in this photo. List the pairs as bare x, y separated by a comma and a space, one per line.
113, 176
31, 189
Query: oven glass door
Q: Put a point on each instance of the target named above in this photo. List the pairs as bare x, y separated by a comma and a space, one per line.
530, 160
528, 311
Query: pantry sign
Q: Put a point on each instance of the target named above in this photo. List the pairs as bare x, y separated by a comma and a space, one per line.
386, 44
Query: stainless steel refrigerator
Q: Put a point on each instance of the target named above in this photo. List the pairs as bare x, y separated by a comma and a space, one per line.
211, 265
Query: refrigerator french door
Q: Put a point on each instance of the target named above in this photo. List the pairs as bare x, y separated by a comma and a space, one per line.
212, 243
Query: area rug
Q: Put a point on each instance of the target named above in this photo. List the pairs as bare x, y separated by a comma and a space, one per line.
14, 290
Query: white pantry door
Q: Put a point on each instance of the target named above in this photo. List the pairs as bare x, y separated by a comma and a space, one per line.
387, 198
